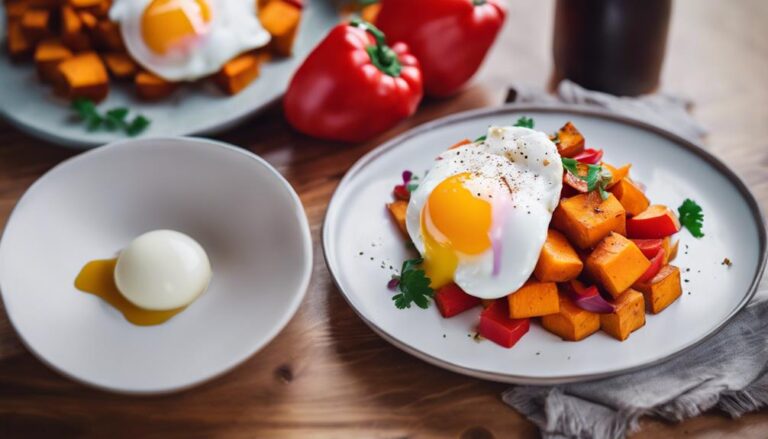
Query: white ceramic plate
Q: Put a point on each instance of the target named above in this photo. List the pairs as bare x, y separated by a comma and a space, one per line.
672, 169
193, 109
240, 209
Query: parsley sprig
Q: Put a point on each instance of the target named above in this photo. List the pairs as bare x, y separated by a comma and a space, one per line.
413, 286
113, 120
691, 217
596, 177
525, 122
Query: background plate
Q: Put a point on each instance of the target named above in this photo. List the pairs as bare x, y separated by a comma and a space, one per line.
193, 109
673, 169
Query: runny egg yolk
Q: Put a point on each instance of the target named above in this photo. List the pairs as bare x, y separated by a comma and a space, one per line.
166, 24
454, 221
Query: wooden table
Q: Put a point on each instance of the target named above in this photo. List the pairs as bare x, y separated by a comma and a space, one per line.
327, 374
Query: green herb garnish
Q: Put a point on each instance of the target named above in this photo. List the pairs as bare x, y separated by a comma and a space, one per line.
525, 122
113, 120
413, 286
597, 177
691, 217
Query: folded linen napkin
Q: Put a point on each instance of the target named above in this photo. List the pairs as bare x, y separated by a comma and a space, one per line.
727, 371
663, 110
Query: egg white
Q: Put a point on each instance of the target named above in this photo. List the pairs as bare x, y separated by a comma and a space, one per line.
234, 28
519, 171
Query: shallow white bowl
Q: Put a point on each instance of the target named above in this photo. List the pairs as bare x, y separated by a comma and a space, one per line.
673, 169
243, 212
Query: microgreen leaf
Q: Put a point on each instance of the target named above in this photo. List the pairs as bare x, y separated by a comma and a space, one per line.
111, 120
691, 217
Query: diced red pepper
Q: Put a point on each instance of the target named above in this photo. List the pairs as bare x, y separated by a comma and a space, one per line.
656, 221
452, 300
401, 192
649, 247
590, 156
495, 325
656, 263
578, 185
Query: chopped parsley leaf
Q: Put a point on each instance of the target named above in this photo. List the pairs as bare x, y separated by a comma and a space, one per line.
413, 286
691, 217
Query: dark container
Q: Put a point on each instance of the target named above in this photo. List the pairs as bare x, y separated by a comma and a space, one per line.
615, 46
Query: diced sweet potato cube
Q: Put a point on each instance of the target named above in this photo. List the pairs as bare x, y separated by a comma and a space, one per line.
72, 32
617, 174
236, 74
89, 20
19, 46
107, 34
82, 4
82, 76
48, 55
628, 316
281, 20
617, 263
558, 261
15, 9
151, 87
662, 290
120, 65
571, 322
571, 141
35, 23
370, 12
534, 299
398, 209
586, 218
630, 196
670, 249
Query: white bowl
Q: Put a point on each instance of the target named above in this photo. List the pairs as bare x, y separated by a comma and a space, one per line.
243, 212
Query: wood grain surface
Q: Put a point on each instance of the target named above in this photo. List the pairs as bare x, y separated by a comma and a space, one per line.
327, 374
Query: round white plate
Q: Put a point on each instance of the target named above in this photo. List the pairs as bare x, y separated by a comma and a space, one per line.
672, 169
243, 212
192, 109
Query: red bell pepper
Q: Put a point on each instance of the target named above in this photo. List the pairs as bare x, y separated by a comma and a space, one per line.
649, 247
656, 263
353, 86
452, 300
495, 325
656, 221
589, 156
449, 37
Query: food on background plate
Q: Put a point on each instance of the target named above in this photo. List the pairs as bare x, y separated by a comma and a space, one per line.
79, 45
450, 38
353, 85
541, 228
154, 278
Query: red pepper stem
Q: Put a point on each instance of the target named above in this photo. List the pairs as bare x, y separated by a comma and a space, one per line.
478, 2
382, 56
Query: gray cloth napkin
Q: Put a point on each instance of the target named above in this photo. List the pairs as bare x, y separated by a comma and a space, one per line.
727, 371
663, 110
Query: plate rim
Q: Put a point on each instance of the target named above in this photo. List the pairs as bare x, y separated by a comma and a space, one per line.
306, 275
582, 110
